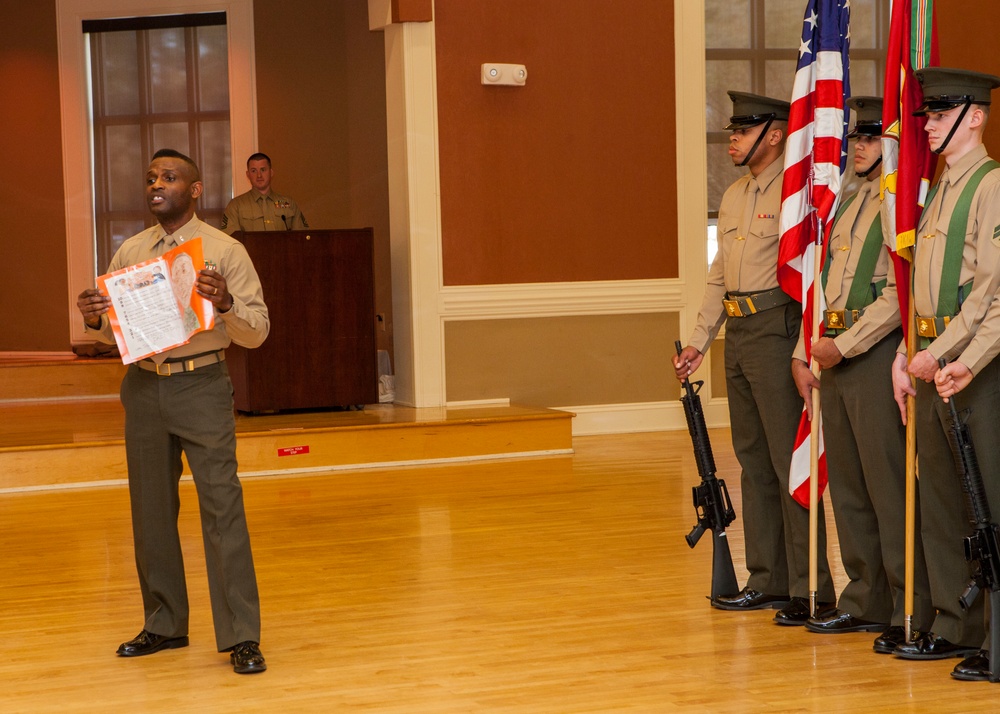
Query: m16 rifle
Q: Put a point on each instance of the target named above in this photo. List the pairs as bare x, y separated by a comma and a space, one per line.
982, 548
711, 497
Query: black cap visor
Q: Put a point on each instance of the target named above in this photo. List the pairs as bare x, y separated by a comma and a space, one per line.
745, 121
862, 128
943, 103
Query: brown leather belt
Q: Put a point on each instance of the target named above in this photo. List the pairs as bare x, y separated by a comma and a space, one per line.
747, 305
179, 366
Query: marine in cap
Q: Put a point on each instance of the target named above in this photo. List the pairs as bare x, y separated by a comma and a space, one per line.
955, 261
867, 474
946, 88
749, 110
762, 325
867, 122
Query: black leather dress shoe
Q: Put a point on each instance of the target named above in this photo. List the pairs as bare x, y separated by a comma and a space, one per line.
246, 658
796, 612
931, 646
147, 643
893, 637
973, 669
749, 599
840, 621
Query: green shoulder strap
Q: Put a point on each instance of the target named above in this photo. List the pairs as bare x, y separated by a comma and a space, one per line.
948, 294
861, 293
828, 258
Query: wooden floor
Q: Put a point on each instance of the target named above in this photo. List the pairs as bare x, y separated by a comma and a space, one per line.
558, 584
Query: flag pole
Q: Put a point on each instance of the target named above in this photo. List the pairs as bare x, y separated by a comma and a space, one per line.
911, 478
814, 435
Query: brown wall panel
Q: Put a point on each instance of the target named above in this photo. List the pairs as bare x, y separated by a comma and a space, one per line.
33, 272
971, 47
321, 118
572, 176
412, 10
563, 361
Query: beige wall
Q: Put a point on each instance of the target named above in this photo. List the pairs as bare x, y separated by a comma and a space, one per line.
563, 361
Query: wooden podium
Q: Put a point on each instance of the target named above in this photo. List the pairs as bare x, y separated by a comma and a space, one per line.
320, 294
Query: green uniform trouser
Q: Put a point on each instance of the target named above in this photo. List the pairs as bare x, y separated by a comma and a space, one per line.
866, 461
942, 501
764, 410
190, 412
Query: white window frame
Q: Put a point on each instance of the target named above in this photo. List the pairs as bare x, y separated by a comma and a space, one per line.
77, 132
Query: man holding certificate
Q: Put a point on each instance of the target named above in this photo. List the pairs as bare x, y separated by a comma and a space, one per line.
180, 399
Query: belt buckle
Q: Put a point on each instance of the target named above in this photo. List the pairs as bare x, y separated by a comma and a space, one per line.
926, 327
835, 319
167, 373
733, 308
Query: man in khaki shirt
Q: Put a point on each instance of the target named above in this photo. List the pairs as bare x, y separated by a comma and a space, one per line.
261, 208
865, 443
953, 291
762, 326
181, 400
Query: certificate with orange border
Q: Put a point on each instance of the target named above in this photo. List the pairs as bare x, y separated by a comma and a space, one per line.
154, 306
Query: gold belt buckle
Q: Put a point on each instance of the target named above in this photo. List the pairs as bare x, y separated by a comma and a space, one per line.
835, 320
733, 308
166, 365
927, 326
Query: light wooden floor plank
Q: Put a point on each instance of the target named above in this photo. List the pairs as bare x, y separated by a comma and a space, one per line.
539, 585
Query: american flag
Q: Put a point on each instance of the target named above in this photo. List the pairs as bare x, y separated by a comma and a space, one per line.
815, 157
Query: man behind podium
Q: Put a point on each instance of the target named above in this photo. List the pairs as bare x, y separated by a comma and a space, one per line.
181, 400
261, 208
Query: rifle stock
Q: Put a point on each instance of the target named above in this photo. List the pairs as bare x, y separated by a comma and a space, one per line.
982, 548
712, 505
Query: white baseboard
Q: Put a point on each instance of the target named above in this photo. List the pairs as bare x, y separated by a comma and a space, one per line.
644, 416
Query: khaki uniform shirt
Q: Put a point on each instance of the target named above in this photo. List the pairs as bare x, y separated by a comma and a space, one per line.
253, 211
846, 243
980, 263
747, 260
246, 323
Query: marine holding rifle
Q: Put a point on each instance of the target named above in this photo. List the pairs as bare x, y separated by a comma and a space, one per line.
867, 473
955, 289
762, 327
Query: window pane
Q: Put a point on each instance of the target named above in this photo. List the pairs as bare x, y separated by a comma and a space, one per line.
779, 75
783, 23
721, 173
215, 163
863, 80
126, 167
727, 24
720, 77
863, 27
213, 69
117, 52
168, 70
174, 135
123, 230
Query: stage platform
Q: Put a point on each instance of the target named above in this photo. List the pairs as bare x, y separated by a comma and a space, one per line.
62, 426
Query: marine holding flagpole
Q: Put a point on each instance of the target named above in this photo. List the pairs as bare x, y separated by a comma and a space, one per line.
762, 327
956, 276
865, 443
